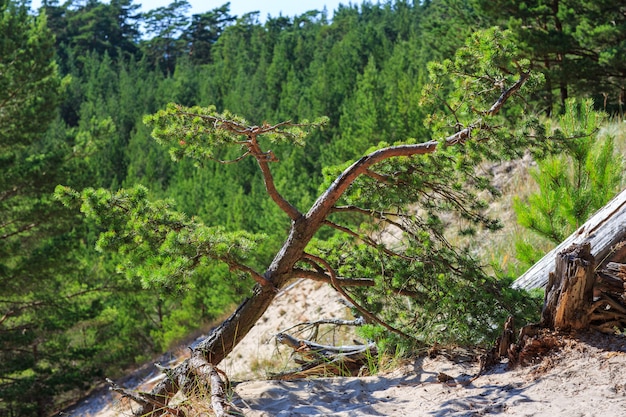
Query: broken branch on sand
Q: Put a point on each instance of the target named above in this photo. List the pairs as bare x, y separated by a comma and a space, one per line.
317, 359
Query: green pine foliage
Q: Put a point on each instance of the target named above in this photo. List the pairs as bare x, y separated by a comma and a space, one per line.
45, 293
574, 43
451, 298
160, 247
573, 183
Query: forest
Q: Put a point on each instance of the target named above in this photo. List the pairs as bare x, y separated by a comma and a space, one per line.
79, 81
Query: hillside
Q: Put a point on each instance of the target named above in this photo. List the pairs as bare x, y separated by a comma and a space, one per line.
588, 367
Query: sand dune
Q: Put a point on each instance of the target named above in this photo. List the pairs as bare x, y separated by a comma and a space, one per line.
580, 380
587, 377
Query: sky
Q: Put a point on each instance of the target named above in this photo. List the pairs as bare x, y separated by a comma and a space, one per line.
239, 7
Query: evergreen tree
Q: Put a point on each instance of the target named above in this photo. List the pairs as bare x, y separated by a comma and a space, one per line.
204, 30
575, 43
165, 26
44, 292
365, 68
445, 286
573, 184
82, 28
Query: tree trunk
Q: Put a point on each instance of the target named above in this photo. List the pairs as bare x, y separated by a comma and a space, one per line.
602, 231
569, 293
227, 335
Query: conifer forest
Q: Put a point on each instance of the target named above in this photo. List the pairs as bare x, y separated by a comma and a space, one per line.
154, 166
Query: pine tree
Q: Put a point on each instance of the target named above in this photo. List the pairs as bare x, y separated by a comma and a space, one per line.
163, 248
43, 289
580, 179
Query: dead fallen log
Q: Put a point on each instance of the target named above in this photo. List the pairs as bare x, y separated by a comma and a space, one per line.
324, 360
603, 231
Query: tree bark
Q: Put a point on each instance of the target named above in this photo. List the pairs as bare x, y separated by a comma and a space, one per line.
569, 292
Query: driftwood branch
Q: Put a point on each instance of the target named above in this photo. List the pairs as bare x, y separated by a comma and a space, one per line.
316, 350
318, 359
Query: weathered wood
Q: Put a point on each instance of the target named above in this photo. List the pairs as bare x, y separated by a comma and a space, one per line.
219, 403
506, 339
317, 359
315, 350
569, 292
603, 232
616, 271
611, 278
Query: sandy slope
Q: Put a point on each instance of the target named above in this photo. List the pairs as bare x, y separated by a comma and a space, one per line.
587, 377
300, 302
580, 380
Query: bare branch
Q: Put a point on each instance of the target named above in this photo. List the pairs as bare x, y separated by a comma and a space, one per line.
21, 229
349, 282
378, 177
335, 322
375, 213
380, 215
127, 393
316, 349
367, 240
506, 94
145, 401
260, 279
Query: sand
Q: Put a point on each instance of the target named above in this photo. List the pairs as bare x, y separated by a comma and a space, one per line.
586, 377
580, 380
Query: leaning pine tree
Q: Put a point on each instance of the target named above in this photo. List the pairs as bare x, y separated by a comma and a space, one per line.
408, 186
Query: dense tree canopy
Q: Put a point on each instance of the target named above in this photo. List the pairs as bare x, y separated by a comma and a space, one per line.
78, 77
575, 43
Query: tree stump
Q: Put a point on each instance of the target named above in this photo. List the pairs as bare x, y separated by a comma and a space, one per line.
569, 293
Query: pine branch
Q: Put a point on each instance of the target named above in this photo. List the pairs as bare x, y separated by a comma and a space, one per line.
366, 239
359, 307
263, 159
322, 277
